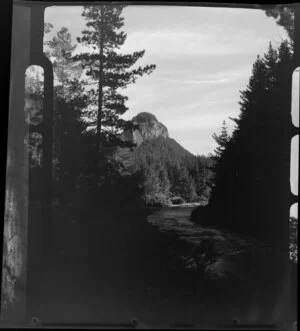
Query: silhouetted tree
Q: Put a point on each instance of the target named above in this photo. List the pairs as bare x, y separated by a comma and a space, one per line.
222, 141
107, 73
109, 69
70, 100
60, 50
242, 198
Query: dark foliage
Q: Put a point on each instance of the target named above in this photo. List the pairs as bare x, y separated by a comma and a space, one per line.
85, 179
108, 70
169, 171
241, 198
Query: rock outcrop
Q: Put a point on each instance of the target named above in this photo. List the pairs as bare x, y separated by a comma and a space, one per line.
149, 128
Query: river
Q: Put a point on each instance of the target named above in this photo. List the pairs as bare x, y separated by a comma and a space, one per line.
221, 254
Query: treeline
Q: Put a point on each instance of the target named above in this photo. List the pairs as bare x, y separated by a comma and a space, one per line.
86, 121
87, 128
170, 174
248, 164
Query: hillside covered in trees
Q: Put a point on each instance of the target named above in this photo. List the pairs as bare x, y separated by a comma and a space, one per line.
169, 172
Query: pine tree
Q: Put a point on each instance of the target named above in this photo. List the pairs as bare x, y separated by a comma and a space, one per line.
164, 181
258, 150
70, 99
203, 177
219, 158
222, 141
48, 27
60, 51
110, 70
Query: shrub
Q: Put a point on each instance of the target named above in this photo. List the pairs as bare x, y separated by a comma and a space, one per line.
177, 200
157, 200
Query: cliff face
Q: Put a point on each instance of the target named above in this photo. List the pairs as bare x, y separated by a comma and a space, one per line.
149, 128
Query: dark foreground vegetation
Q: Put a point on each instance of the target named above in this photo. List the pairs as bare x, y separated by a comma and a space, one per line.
171, 174
248, 163
112, 270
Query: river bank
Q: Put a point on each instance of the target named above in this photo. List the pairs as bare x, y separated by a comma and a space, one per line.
154, 266
222, 254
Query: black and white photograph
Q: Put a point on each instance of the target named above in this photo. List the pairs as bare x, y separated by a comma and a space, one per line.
152, 166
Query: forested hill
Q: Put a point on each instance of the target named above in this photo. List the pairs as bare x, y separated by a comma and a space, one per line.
169, 173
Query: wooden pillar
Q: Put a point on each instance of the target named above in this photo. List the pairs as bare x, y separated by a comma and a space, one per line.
27, 49
14, 276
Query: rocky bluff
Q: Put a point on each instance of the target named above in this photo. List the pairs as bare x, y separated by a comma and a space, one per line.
148, 128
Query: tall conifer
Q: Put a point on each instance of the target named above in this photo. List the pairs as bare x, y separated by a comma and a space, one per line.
108, 69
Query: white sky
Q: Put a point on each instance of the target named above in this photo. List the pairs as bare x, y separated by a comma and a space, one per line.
294, 210
204, 57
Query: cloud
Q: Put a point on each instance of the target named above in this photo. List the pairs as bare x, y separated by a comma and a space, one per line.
199, 121
204, 56
223, 40
195, 81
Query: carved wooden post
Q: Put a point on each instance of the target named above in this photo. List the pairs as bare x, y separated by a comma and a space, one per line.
13, 299
27, 49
